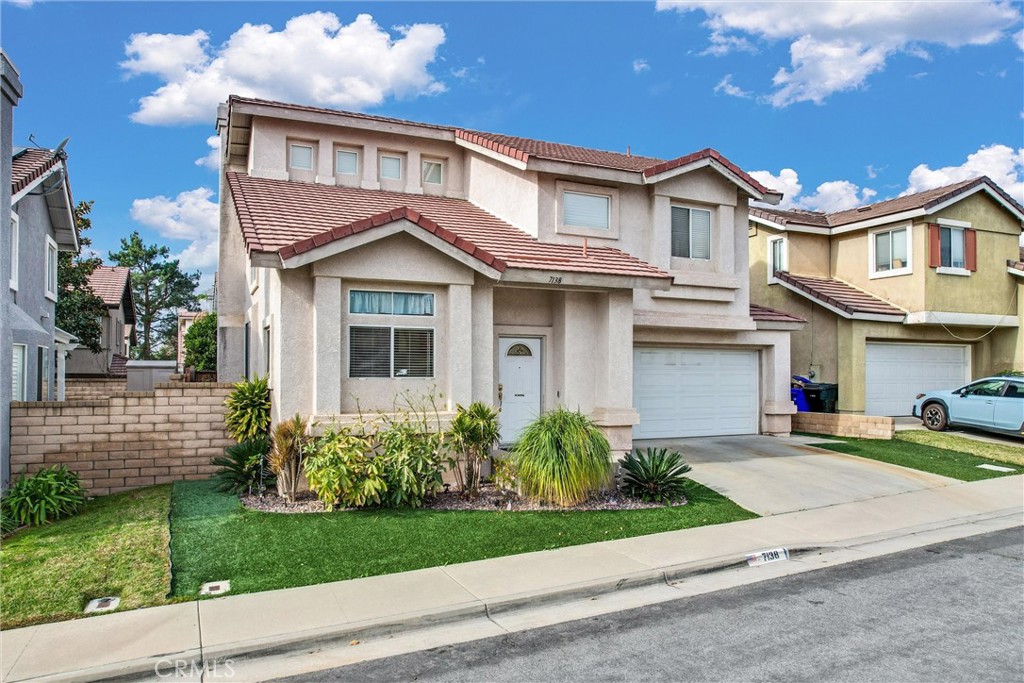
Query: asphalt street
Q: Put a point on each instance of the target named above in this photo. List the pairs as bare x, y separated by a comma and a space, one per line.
949, 612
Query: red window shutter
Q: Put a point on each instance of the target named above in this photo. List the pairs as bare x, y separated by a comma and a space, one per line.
934, 246
971, 249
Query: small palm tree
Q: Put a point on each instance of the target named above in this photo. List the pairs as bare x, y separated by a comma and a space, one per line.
473, 432
285, 457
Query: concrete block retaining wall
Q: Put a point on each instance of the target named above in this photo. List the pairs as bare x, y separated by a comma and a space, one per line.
127, 440
841, 424
87, 389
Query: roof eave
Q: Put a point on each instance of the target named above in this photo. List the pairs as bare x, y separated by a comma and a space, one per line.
569, 278
755, 193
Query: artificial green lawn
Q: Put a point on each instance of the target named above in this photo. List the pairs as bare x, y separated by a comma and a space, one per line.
1000, 452
948, 463
117, 545
214, 538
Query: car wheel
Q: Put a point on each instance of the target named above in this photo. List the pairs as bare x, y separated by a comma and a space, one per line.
934, 417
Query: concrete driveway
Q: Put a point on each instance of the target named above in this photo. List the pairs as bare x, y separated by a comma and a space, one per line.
772, 475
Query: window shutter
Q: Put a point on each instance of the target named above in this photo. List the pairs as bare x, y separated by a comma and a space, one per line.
18, 373
585, 210
934, 246
680, 232
970, 249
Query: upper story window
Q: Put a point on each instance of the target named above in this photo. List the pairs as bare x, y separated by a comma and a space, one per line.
691, 233
433, 172
585, 210
15, 240
346, 162
778, 261
300, 157
952, 248
51, 269
390, 303
890, 252
390, 167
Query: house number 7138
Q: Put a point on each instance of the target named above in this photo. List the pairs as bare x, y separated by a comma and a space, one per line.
555, 280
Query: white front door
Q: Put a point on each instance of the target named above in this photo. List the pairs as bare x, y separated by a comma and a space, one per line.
518, 384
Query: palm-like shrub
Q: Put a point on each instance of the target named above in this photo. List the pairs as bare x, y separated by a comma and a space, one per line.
561, 458
248, 414
242, 467
285, 459
473, 432
654, 475
41, 498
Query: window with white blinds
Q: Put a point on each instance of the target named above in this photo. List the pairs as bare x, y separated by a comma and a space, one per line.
390, 352
18, 373
346, 162
691, 233
582, 210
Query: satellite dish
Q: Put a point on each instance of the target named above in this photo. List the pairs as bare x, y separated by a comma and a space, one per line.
59, 152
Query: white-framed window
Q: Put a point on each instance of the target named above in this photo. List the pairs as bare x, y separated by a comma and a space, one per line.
370, 302
586, 210
15, 246
51, 269
346, 162
890, 252
254, 278
952, 247
433, 172
266, 351
390, 167
18, 352
386, 352
778, 257
300, 156
691, 233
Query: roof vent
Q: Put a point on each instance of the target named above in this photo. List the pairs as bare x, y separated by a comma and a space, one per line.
863, 209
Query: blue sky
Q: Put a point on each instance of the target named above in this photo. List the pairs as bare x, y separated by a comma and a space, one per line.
834, 103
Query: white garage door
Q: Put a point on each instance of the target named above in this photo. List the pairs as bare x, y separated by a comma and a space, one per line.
895, 373
694, 392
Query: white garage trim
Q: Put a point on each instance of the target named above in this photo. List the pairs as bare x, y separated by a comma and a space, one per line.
894, 373
686, 392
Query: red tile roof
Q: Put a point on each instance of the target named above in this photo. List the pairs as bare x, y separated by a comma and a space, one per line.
1017, 265
29, 164
840, 295
521, 149
765, 314
108, 283
292, 218
920, 200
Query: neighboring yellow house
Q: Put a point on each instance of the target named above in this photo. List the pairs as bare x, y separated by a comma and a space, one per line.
906, 295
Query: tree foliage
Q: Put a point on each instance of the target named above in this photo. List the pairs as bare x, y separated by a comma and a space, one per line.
78, 309
201, 344
160, 288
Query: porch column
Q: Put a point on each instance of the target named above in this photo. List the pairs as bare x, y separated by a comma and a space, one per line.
483, 343
62, 356
327, 344
460, 344
614, 411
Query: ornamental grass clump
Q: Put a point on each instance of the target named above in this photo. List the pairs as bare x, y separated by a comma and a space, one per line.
562, 458
655, 475
285, 459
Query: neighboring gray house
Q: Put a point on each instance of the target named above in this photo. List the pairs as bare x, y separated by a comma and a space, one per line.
363, 257
10, 84
112, 284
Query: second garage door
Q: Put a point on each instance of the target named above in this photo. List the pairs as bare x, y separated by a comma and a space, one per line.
895, 373
694, 392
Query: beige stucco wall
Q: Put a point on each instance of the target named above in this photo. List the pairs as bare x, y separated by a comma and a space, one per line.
507, 192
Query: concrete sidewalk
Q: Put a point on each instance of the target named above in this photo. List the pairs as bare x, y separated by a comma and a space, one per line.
197, 634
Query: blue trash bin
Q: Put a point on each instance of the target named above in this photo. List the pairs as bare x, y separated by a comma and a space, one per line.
800, 399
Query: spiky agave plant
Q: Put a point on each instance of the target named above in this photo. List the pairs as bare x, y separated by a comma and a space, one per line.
561, 458
654, 475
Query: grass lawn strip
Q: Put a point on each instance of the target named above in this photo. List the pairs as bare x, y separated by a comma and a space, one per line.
214, 538
1004, 453
948, 463
117, 545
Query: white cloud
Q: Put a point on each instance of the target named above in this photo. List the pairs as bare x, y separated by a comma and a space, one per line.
1001, 163
314, 59
211, 159
834, 195
729, 88
192, 216
836, 45
1018, 38
640, 66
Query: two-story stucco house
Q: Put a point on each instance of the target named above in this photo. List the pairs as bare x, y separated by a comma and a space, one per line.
112, 284
363, 257
907, 295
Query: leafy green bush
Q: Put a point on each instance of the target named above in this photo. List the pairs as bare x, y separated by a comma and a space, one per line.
285, 459
41, 498
201, 343
243, 467
411, 462
248, 414
561, 458
473, 432
341, 469
654, 475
